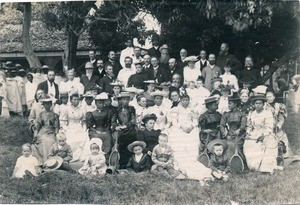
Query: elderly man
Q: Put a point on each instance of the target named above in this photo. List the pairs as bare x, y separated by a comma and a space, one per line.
128, 51
72, 84
181, 63
202, 63
49, 86
127, 71
211, 71
164, 56
250, 72
112, 60
89, 79
224, 55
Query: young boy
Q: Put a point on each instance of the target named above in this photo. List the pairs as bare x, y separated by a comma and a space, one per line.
61, 149
138, 162
163, 158
219, 162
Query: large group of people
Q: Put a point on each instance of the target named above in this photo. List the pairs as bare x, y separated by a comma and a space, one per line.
161, 111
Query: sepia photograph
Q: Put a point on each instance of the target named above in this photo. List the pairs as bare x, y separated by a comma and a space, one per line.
150, 102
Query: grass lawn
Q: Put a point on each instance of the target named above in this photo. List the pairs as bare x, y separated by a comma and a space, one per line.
61, 187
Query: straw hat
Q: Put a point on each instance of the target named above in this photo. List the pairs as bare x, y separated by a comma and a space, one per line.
136, 143
89, 65
116, 83
63, 94
216, 80
88, 94
157, 93
191, 59
53, 163
46, 99
211, 145
210, 100
150, 82
124, 95
133, 90
258, 97
261, 89
102, 96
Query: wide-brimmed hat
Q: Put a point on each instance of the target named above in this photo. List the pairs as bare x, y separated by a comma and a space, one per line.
191, 59
53, 163
102, 96
165, 46
22, 70
88, 94
150, 82
211, 145
117, 83
246, 81
216, 80
210, 100
46, 99
261, 89
13, 70
8, 63
45, 67
133, 90
89, 65
136, 143
18, 66
258, 97
149, 117
96, 141
157, 93
124, 95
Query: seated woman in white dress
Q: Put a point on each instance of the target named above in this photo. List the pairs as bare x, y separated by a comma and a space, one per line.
261, 145
77, 136
184, 139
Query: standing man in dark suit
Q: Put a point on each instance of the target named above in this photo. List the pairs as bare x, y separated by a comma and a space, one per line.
250, 72
154, 50
49, 86
181, 62
159, 73
112, 61
107, 79
202, 63
89, 79
100, 71
147, 67
93, 59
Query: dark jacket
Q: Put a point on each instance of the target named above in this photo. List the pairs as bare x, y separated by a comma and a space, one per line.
116, 66
141, 166
154, 52
150, 138
89, 83
44, 86
65, 152
137, 80
100, 74
105, 84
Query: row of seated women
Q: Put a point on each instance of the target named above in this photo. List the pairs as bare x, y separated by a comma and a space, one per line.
255, 123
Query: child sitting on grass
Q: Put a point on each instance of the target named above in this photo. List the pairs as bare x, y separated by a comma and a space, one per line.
138, 162
219, 162
61, 149
27, 165
94, 164
163, 158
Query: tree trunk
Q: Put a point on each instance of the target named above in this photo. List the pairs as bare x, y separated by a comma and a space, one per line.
32, 59
69, 60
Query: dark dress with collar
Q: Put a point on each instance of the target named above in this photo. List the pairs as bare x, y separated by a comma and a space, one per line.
150, 137
142, 166
137, 80
89, 83
105, 84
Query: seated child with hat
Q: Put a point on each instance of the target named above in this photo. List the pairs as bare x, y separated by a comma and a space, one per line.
219, 162
27, 165
61, 149
94, 164
138, 162
163, 158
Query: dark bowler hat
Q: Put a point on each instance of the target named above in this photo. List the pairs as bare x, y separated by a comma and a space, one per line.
149, 117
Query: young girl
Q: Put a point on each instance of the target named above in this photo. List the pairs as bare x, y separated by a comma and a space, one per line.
228, 78
149, 135
138, 162
219, 162
163, 158
140, 109
117, 88
26, 164
94, 164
